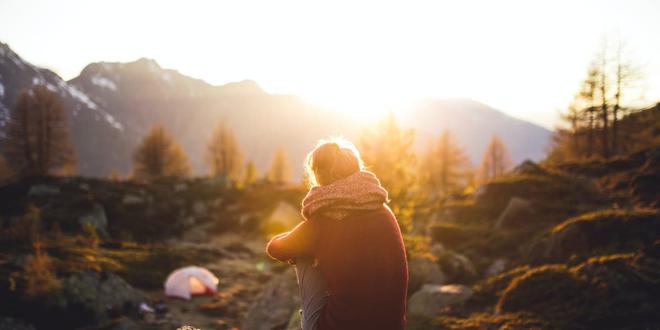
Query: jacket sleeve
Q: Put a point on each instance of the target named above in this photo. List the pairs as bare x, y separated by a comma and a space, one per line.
300, 241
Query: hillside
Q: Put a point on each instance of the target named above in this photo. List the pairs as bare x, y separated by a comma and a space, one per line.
473, 124
112, 105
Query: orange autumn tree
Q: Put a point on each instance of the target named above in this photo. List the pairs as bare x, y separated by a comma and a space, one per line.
280, 169
495, 162
159, 156
223, 155
37, 140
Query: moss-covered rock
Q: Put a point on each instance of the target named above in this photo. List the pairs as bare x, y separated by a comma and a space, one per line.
552, 291
603, 232
481, 321
489, 290
615, 291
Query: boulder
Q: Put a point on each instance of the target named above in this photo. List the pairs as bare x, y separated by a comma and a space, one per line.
596, 294
273, 307
96, 217
181, 187
39, 190
422, 271
199, 208
437, 250
528, 167
607, 231
432, 299
516, 213
7, 323
457, 267
498, 266
132, 200
93, 294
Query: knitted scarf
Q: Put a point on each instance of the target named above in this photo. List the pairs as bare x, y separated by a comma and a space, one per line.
357, 192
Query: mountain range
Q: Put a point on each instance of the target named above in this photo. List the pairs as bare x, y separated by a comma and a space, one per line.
113, 105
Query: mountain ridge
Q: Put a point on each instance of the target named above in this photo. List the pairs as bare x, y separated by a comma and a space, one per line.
113, 104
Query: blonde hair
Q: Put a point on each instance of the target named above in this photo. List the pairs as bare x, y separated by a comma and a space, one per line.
331, 160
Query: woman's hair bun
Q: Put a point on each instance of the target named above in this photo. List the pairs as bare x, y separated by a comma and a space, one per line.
332, 160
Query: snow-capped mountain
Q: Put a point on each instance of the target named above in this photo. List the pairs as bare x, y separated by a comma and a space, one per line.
93, 128
141, 94
113, 105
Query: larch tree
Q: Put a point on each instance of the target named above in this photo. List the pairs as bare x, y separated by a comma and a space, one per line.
603, 88
495, 161
594, 115
446, 166
627, 75
387, 150
223, 155
159, 156
37, 139
280, 169
250, 174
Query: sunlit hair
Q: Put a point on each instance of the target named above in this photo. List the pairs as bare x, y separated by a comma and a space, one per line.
331, 160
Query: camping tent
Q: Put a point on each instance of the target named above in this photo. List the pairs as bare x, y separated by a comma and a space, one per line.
187, 281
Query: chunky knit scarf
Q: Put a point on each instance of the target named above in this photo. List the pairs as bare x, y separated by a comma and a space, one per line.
357, 192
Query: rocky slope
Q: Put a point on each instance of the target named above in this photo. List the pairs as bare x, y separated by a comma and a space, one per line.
571, 247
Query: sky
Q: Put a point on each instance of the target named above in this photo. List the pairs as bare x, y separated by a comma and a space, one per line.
525, 58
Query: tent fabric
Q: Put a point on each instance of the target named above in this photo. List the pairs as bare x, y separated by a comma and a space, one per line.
188, 281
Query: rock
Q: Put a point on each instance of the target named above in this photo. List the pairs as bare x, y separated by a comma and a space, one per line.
273, 306
604, 290
432, 299
604, 231
498, 266
94, 293
7, 323
199, 208
437, 249
422, 271
96, 217
189, 221
180, 187
457, 267
217, 202
528, 167
39, 190
517, 211
124, 324
132, 200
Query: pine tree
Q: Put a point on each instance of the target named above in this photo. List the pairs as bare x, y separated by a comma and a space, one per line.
159, 156
223, 155
37, 140
446, 165
495, 161
280, 170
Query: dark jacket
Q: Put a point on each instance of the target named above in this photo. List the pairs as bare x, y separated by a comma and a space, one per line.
363, 259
